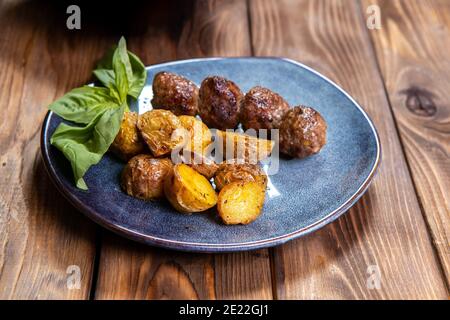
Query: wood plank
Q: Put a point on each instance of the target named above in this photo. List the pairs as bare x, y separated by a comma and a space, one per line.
386, 227
41, 235
412, 49
127, 270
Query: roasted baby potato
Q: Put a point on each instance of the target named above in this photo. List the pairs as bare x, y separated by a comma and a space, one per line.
303, 132
262, 109
232, 171
128, 141
174, 93
199, 135
219, 103
188, 191
240, 202
143, 176
242, 146
200, 163
161, 130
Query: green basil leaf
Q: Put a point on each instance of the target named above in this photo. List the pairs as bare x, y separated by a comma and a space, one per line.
139, 76
122, 69
106, 77
81, 105
134, 69
85, 146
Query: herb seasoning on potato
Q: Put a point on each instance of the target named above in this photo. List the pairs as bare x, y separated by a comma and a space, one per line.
232, 171
241, 202
188, 191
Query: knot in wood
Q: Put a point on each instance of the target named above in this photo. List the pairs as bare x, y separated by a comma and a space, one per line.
420, 101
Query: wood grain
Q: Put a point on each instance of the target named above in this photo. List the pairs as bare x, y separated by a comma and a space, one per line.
130, 271
41, 235
386, 227
412, 49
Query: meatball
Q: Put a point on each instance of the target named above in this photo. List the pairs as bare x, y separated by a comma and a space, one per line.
128, 141
175, 93
161, 130
303, 132
143, 177
233, 170
219, 103
262, 109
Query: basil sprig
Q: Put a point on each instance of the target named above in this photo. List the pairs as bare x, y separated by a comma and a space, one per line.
97, 111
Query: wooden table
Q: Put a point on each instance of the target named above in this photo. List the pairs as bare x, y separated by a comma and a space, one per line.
400, 74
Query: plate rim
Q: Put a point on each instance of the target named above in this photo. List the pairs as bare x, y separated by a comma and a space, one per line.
212, 247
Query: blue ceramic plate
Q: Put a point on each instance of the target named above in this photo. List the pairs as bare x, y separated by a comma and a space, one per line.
304, 196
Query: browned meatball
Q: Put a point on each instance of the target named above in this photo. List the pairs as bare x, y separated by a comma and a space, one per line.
303, 132
175, 93
128, 141
262, 109
219, 103
143, 177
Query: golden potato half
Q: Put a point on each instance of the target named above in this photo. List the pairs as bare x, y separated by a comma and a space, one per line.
128, 141
161, 130
240, 202
143, 176
232, 171
242, 146
188, 191
199, 135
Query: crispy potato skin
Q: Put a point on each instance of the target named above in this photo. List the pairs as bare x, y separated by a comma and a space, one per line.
240, 202
208, 170
262, 109
161, 130
128, 141
175, 93
242, 146
188, 191
200, 163
143, 177
303, 132
219, 103
232, 171
199, 135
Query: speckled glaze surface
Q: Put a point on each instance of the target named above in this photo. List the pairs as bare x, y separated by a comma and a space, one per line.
304, 196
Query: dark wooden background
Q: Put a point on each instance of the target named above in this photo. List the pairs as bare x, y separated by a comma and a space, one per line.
400, 74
